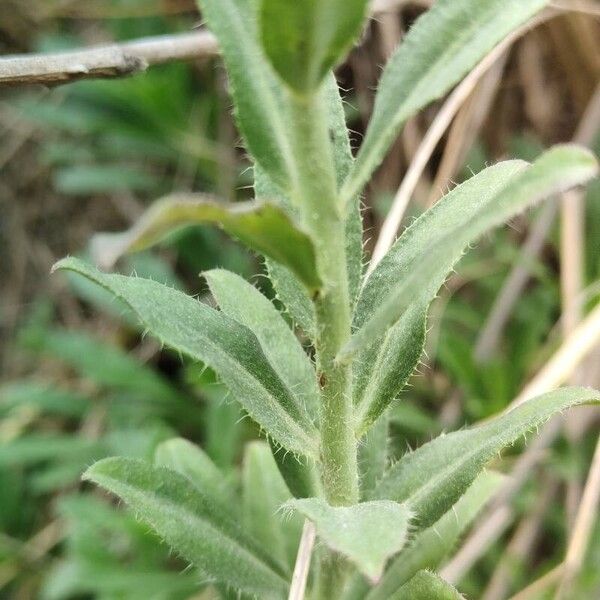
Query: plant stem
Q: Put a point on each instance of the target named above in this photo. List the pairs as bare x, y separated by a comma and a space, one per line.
323, 215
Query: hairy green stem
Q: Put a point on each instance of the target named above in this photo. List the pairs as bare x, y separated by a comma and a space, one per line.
323, 214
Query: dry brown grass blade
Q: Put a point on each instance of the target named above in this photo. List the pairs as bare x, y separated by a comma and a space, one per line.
302, 566
533, 591
558, 370
521, 544
477, 544
584, 525
515, 283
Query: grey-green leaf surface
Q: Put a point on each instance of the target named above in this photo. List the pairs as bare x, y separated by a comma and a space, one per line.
306, 38
243, 302
373, 456
193, 463
343, 161
292, 294
439, 50
418, 263
432, 478
263, 495
367, 533
382, 369
231, 349
264, 227
427, 586
431, 546
258, 114
191, 524
300, 474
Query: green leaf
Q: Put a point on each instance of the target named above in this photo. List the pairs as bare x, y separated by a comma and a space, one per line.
193, 463
103, 363
382, 369
263, 227
439, 50
35, 448
431, 546
343, 161
418, 263
304, 39
232, 350
373, 456
292, 294
37, 396
431, 479
191, 524
367, 533
427, 586
260, 121
80, 180
241, 301
300, 474
263, 495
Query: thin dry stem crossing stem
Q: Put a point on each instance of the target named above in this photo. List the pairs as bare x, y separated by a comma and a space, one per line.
434, 134
300, 576
478, 543
465, 128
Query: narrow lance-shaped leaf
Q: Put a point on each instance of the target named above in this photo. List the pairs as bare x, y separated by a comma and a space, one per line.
193, 463
263, 495
373, 456
304, 39
431, 479
427, 586
343, 161
367, 533
439, 50
191, 524
259, 117
431, 546
263, 227
418, 263
232, 350
383, 368
243, 302
301, 474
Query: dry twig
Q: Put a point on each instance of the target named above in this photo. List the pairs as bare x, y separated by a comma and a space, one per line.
116, 60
